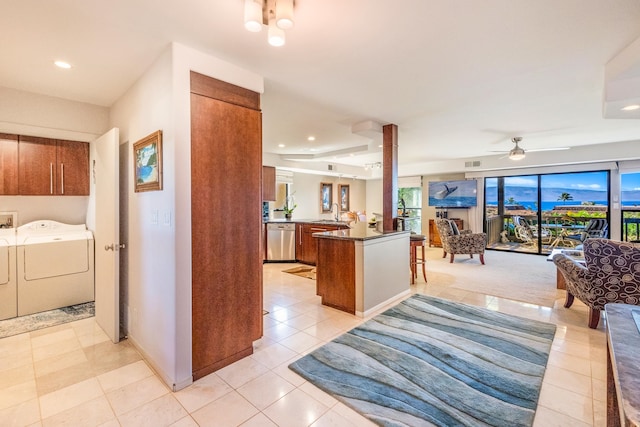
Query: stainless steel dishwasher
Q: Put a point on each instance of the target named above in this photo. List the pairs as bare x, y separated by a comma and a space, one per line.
281, 242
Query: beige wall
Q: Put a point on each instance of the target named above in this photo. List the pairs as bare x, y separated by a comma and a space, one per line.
306, 193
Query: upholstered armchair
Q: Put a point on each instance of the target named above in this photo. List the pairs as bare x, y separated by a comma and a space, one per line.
456, 241
611, 274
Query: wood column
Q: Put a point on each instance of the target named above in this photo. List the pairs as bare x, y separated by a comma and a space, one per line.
389, 177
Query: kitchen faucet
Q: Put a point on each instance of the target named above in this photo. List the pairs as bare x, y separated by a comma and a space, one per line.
337, 215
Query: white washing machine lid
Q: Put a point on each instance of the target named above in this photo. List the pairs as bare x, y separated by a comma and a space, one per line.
47, 231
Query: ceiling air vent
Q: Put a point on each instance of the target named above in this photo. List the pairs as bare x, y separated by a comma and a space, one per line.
331, 167
472, 164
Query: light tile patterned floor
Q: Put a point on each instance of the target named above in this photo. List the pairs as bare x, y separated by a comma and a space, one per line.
72, 375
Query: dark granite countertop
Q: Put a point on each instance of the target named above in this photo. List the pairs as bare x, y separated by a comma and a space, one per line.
359, 231
309, 221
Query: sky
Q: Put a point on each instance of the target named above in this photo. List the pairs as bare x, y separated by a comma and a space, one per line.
596, 181
630, 181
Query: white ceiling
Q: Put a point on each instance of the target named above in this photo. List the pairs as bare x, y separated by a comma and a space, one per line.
458, 77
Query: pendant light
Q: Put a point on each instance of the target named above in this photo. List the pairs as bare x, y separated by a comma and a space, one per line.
253, 15
277, 14
276, 35
284, 14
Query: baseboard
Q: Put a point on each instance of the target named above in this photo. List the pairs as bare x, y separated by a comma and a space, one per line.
178, 385
394, 298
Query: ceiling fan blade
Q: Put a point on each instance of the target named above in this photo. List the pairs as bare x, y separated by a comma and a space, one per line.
547, 149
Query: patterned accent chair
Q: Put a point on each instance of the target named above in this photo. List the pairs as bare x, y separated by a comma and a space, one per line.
611, 274
456, 241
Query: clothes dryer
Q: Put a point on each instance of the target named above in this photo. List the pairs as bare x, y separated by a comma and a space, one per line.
55, 266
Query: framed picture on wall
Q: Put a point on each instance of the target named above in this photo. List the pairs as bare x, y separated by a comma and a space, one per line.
343, 193
147, 158
326, 196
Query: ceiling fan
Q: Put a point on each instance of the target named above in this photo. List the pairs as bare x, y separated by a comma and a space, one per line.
518, 153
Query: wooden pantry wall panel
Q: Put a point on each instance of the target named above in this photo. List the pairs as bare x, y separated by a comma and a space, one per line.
226, 222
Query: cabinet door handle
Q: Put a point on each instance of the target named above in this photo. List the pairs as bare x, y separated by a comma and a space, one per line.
318, 229
50, 178
300, 234
62, 176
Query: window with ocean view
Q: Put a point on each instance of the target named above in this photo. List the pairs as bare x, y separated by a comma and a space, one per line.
630, 203
537, 213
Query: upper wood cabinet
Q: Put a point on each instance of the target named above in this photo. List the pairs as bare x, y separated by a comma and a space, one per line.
268, 183
8, 164
53, 167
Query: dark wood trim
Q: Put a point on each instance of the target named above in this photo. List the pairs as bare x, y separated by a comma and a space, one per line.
389, 177
223, 91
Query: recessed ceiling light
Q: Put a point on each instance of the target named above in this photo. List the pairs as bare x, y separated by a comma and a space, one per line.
380, 146
313, 149
281, 145
62, 64
311, 138
631, 107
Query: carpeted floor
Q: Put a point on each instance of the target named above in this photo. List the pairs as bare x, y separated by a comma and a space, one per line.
302, 271
429, 361
33, 322
505, 275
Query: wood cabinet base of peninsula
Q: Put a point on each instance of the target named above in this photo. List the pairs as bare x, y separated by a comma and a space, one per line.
337, 285
361, 276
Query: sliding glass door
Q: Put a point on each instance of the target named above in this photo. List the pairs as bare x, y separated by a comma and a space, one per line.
539, 213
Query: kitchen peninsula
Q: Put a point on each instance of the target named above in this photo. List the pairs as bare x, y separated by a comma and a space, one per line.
361, 269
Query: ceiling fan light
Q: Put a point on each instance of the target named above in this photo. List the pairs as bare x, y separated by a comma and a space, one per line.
276, 35
516, 154
253, 15
284, 14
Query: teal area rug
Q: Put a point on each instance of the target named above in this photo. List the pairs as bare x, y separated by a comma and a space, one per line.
45, 319
429, 361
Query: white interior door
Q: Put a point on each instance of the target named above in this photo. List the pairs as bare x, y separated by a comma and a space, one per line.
105, 192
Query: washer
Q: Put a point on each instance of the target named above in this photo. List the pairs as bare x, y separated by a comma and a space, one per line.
8, 286
55, 266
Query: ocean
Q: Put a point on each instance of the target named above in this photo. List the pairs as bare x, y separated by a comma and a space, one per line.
547, 206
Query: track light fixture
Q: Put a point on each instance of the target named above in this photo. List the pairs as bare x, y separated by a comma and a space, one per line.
376, 165
277, 15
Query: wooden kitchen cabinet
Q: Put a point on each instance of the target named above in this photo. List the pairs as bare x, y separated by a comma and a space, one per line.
299, 247
53, 167
434, 236
8, 164
268, 184
309, 244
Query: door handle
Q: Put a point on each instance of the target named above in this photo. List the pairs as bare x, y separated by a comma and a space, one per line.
62, 176
114, 247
